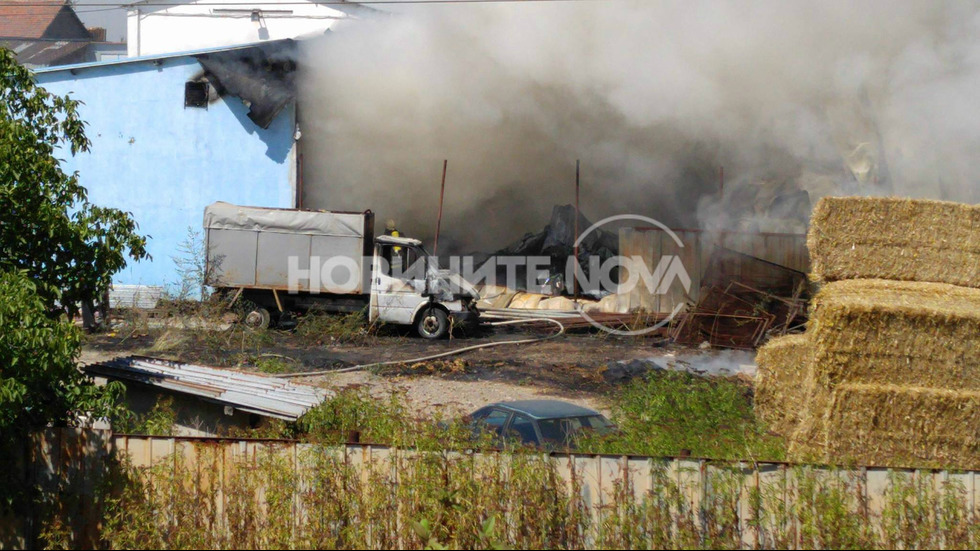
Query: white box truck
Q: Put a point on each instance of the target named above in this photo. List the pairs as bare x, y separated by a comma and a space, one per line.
287, 260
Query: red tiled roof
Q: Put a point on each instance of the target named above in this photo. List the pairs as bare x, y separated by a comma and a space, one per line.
29, 19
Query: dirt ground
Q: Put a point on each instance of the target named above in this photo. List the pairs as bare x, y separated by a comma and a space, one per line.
568, 368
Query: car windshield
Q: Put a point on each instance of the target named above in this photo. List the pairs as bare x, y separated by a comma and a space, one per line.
561, 431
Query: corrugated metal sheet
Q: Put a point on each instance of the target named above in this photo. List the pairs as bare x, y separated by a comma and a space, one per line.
264, 396
140, 297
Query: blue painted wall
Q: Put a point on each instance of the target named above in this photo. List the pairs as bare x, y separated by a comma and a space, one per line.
164, 163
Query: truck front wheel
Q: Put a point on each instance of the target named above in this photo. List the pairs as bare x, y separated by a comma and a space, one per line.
258, 318
433, 323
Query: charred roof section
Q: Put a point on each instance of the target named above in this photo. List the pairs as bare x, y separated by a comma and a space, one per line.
45, 53
264, 77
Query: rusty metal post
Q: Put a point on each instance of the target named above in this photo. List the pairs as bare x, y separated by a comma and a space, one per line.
575, 248
299, 181
721, 176
442, 195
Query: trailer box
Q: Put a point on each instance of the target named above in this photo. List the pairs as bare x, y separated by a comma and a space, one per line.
256, 248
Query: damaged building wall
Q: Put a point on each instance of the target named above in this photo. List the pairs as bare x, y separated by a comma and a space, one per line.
164, 161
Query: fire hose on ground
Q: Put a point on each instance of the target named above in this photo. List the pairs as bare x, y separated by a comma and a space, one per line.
456, 352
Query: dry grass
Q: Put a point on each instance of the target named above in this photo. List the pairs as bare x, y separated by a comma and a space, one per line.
318, 328
450, 366
897, 239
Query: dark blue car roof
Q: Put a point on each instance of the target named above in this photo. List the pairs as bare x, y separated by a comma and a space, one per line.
546, 409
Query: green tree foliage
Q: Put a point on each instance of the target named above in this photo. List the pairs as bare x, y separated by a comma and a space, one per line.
56, 250
40, 383
48, 229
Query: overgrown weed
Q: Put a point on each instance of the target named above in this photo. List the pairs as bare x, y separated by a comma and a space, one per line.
317, 328
672, 414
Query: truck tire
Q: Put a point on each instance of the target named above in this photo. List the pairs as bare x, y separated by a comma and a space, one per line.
433, 323
258, 318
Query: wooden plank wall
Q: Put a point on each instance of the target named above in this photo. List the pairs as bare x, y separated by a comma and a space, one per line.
694, 249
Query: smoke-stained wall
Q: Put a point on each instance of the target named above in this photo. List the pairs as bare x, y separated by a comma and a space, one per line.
653, 97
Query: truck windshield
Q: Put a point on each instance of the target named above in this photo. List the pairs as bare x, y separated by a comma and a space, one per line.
403, 262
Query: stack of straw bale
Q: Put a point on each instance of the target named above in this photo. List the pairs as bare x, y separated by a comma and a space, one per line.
888, 372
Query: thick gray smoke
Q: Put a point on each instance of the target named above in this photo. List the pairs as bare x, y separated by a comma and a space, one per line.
653, 97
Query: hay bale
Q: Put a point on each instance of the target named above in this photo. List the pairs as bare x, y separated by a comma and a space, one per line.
503, 300
876, 332
893, 376
563, 304
898, 239
526, 301
901, 425
495, 296
780, 381
890, 332
615, 304
807, 440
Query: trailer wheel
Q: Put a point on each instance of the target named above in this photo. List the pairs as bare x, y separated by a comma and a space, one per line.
258, 318
433, 323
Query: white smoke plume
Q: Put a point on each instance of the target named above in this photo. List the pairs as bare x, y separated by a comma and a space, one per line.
654, 97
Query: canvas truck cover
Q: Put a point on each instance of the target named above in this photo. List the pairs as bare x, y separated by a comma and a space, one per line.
251, 247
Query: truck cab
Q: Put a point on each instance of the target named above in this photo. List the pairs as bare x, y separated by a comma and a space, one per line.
408, 288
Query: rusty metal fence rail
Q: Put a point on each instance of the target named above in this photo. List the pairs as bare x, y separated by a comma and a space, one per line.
750, 493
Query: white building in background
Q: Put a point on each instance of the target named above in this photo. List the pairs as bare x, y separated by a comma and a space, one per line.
167, 26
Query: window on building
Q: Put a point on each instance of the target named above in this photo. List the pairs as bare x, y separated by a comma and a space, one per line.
196, 94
